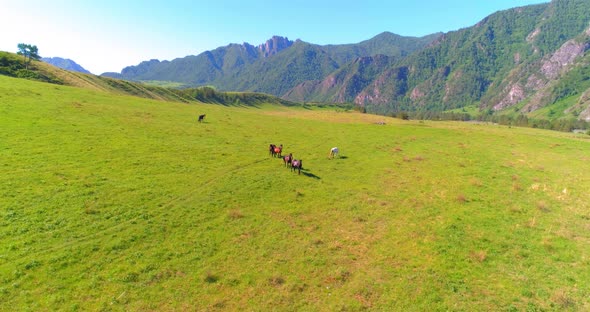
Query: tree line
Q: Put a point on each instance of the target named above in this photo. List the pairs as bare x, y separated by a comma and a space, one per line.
560, 124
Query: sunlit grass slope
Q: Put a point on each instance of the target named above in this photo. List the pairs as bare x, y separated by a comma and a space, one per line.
120, 203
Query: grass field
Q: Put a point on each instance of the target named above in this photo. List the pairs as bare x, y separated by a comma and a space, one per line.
118, 203
166, 84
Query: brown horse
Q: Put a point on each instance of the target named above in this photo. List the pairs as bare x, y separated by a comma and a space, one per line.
278, 150
201, 117
296, 165
271, 150
287, 159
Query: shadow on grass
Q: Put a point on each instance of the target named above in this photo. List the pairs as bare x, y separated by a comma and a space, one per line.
339, 157
310, 175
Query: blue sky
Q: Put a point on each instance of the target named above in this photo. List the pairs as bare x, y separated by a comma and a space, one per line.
108, 35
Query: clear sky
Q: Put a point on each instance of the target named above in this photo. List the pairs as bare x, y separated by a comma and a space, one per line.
108, 35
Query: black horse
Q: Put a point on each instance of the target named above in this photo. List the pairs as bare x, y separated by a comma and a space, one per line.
296, 165
271, 150
201, 117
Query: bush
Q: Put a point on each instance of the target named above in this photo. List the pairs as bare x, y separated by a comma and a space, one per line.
402, 115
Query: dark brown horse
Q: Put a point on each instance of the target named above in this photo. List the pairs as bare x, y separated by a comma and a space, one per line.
296, 165
201, 117
287, 159
271, 150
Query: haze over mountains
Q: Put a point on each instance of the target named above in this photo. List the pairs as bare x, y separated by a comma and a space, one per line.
66, 64
523, 59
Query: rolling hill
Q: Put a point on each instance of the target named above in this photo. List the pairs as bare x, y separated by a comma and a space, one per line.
118, 202
11, 65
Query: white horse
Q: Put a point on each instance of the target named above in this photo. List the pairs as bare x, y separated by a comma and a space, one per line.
333, 152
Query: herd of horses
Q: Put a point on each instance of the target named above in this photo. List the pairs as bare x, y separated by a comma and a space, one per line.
290, 162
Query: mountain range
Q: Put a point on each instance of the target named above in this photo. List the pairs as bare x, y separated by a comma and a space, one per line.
66, 64
524, 60
273, 67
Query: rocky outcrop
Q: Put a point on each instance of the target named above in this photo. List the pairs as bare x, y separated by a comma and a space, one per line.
416, 94
538, 84
585, 115
531, 37
274, 45
584, 103
390, 85
373, 93
514, 95
563, 57
300, 92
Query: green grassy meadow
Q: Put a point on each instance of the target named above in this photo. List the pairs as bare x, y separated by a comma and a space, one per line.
111, 203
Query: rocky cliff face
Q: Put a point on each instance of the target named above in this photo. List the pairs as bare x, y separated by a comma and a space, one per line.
536, 86
584, 103
529, 57
342, 85
551, 69
274, 45
563, 57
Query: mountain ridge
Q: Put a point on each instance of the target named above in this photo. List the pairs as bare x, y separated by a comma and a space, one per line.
514, 61
237, 67
66, 64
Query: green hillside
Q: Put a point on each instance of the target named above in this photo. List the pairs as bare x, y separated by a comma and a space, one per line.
279, 73
525, 62
518, 59
386, 43
343, 84
11, 65
244, 67
112, 202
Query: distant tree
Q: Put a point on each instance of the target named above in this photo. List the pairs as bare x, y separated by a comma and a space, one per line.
361, 109
402, 115
29, 52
